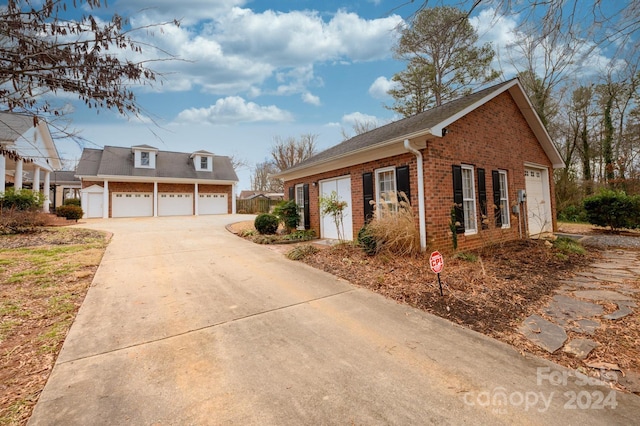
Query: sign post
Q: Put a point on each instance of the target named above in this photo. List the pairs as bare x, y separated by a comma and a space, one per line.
436, 261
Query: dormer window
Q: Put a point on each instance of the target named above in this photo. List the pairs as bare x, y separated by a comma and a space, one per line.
202, 161
144, 156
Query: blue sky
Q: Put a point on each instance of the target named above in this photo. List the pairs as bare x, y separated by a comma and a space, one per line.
249, 71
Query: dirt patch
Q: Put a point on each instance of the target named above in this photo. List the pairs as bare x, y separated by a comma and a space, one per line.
44, 277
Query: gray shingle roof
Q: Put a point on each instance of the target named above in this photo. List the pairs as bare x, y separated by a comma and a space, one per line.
406, 126
118, 161
12, 126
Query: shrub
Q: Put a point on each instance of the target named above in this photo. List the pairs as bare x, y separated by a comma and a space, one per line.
569, 246
71, 202
573, 213
300, 235
367, 241
301, 252
22, 199
266, 223
394, 227
613, 209
287, 213
70, 212
21, 221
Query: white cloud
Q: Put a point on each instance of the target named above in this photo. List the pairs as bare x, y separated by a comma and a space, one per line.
380, 87
232, 110
310, 99
359, 118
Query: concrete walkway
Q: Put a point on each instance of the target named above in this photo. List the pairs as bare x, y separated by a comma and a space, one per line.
187, 324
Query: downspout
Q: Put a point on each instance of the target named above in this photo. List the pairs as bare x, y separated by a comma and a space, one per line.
421, 212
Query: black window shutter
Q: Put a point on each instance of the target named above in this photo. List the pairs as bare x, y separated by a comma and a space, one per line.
482, 197
367, 195
496, 197
457, 198
402, 182
292, 193
307, 216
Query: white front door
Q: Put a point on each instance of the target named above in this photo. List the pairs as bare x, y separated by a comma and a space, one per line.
94, 201
539, 217
328, 228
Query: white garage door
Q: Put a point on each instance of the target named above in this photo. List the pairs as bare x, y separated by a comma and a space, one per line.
132, 204
212, 204
538, 202
342, 186
94, 209
175, 204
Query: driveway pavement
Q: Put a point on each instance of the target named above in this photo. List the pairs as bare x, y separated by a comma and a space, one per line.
186, 323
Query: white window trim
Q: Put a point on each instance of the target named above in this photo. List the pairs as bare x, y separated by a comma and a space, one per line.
378, 172
506, 222
300, 203
138, 159
474, 219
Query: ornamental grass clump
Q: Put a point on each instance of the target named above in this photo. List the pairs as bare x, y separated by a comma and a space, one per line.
394, 226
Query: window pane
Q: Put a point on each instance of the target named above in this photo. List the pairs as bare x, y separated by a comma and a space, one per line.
469, 200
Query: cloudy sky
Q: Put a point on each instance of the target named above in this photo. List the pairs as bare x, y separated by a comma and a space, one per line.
248, 71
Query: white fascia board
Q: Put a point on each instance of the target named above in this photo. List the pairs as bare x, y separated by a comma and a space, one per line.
144, 179
371, 153
54, 162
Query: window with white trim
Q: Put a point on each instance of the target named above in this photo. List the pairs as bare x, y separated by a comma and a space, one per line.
204, 163
504, 199
386, 199
469, 200
144, 158
300, 202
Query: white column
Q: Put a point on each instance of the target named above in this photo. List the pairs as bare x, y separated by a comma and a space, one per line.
105, 200
197, 198
3, 172
36, 180
155, 199
233, 198
17, 180
46, 190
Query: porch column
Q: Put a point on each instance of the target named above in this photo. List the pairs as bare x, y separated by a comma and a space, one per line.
17, 179
47, 191
36, 180
105, 200
3, 172
233, 198
197, 198
155, 199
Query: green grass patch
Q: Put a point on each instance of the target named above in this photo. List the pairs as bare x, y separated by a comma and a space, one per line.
467, 257
567, 246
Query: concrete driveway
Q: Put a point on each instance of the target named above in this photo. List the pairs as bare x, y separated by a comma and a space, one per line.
186, 323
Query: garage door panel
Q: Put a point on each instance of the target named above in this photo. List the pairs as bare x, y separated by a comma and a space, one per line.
175, 204
342, 186
212, 204
132, 204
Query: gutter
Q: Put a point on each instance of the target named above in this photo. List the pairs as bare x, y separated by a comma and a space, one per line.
421, 211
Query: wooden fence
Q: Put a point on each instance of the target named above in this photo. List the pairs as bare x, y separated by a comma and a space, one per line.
255, 205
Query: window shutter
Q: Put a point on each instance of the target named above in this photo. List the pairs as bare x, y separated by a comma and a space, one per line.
402, 182
367, 195
307, 216
457, 198
496, 197
482, 197
292, 195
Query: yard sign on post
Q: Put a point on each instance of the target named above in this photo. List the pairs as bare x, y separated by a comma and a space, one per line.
436, 261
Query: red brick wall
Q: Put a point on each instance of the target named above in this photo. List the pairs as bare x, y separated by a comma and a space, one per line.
494, 136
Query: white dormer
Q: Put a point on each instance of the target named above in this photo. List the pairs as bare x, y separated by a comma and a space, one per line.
202, 161
144, 156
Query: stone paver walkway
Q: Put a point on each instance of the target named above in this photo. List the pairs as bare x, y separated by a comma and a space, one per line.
579, 306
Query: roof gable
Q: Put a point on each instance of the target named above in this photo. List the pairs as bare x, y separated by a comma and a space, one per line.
30, 138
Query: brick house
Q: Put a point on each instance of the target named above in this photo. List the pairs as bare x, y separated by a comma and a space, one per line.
486, 158
143, 181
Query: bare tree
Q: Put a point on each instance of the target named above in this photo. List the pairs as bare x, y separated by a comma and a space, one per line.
238, 162
359, 127
262, 178
45, 52
288, 152
440, 46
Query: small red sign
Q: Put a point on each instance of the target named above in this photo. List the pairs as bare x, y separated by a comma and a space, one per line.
436, 261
